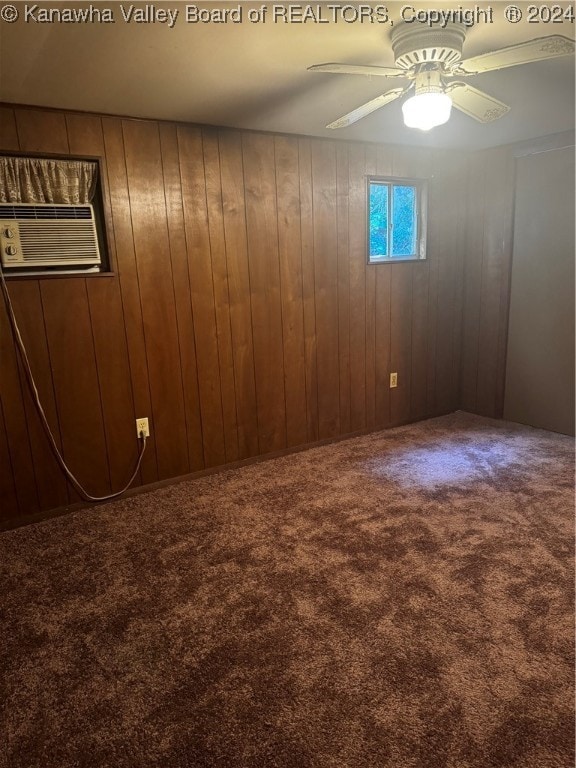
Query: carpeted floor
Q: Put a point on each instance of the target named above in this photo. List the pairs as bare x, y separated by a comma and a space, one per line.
401, 600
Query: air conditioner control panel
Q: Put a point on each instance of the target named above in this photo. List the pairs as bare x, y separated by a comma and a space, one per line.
10, 246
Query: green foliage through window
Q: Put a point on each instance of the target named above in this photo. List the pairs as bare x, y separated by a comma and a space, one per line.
393, 227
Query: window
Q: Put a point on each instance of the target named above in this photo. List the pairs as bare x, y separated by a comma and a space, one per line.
51, 216
396, 220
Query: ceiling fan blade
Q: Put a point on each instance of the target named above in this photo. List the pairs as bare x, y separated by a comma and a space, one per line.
532, 50
358, 69
366, 109
475, 103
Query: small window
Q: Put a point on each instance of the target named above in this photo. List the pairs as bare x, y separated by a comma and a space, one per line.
51, 216
396, 220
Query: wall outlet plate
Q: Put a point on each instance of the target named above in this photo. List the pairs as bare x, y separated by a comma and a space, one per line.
142, 427
393, 380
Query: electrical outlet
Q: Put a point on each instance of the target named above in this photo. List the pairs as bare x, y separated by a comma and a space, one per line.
393, 380
142, 427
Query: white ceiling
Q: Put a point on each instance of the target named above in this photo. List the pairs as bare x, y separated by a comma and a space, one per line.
253, 75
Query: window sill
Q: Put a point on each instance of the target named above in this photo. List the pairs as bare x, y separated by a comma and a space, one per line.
55, 275
395, 260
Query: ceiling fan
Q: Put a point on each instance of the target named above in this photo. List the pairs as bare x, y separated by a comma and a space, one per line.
431, 60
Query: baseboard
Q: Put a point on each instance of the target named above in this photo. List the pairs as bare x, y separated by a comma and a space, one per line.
38, 517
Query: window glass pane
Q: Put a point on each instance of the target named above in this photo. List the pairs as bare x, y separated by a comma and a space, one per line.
378, 220
404, 221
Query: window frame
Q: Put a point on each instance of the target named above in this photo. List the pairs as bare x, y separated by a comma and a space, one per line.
421, 187
103, 219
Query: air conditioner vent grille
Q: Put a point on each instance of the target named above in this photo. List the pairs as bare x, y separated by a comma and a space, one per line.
48, 236
8, 211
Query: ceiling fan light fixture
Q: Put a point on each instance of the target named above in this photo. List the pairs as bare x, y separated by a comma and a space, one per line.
427, 110
431, 105
430, 59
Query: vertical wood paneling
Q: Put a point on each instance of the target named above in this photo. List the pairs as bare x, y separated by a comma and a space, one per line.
50, 481
308, 295
8, 496
23, 435
507, 226
473, 282
152, 247
370, 277
419, 333
76, 386
419, 166
450, 192
383, 299
106, 314
290, 253
262, 229
357, 251
129, 286
231, 172
8, 131
326, 286
221, 293
12, 393
41, 131
114, 380
489, 299
460, 203
182, 299
342, 201
242, 316
486, 280
382, 341
434, 250
401, 311
401, 340
202, 292
495, 272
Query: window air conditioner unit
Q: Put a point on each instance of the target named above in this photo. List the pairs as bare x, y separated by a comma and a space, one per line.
48, 235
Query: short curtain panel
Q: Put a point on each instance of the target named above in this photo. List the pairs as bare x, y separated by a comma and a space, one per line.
43, 180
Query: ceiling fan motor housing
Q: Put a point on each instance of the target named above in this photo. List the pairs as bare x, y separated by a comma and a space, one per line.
429, 81
414, 45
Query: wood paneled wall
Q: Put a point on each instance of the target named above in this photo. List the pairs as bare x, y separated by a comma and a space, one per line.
241, 317
488, 259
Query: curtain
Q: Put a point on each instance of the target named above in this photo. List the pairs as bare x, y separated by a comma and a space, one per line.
40, 180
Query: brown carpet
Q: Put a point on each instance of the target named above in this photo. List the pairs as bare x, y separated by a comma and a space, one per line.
401, 600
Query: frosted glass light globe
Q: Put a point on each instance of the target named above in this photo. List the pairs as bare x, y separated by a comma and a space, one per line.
427, 110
